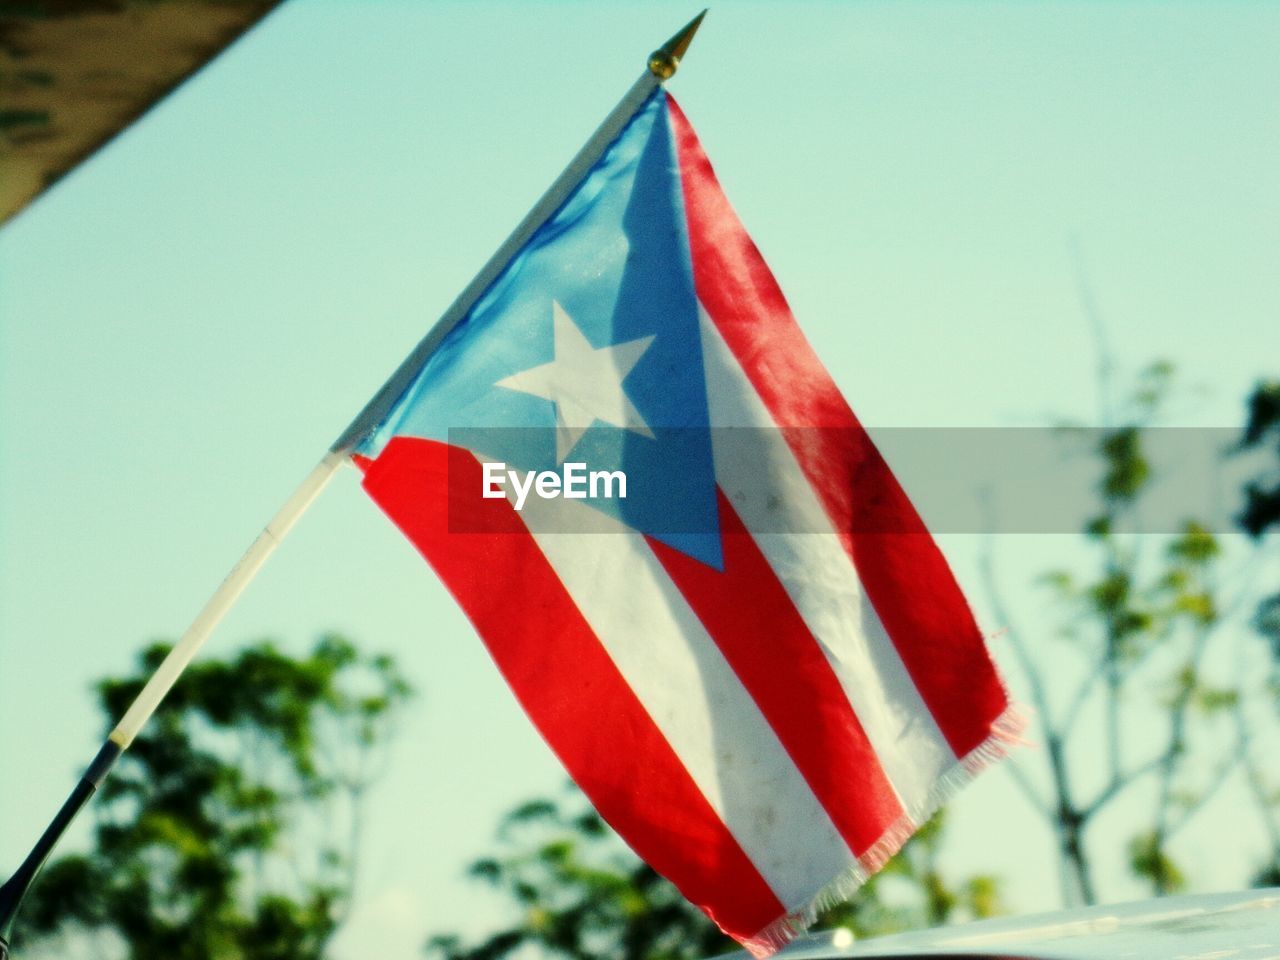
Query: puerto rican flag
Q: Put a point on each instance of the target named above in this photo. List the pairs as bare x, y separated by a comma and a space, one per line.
757, 665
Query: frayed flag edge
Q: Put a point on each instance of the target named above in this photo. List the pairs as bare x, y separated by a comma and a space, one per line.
1006, 732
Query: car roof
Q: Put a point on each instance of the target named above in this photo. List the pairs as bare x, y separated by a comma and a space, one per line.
1223, 926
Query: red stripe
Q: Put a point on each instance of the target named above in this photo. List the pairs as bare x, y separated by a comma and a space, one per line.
748, 612
905, 575
564, 679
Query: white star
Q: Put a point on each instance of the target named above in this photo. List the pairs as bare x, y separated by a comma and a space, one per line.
584, 383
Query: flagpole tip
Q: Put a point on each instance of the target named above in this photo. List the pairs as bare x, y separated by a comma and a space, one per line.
664, 61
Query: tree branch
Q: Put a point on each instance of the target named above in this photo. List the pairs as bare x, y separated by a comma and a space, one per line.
1219, 779
1176, 750
1029, 791
1081, 696
1119, 785
1063, 815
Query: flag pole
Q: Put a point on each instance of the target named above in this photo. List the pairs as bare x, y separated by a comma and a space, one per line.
662, 65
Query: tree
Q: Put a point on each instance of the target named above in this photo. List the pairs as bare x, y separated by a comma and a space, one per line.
1262, 494
230, 829
1261, 515
1164, 697
580, 895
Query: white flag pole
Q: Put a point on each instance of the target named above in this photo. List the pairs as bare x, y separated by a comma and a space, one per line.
661, 66
145, 703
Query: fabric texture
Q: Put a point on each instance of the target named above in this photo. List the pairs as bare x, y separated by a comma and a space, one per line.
757, 665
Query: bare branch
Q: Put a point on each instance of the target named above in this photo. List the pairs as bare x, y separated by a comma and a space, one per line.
1219, 779
1258, 786
1081, 696
1039, 695
1028, 789
1062, 814
1092, 313
1176, 751
1122, 783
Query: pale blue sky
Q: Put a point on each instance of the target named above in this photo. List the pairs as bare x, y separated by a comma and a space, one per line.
187, 321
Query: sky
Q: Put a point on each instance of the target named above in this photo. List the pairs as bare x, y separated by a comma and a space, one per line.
188, 320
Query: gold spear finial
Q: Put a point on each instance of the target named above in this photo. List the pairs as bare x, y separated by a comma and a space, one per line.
664, 61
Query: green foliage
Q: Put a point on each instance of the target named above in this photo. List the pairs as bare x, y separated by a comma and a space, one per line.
1153, 386
1262, 430
911, 892
1127, 468
1266, 620
1159, 669
578, 894
1262, 496
199, 833
1148, 859
1260, 517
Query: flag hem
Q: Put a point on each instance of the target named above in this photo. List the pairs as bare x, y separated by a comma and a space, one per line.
1006, 731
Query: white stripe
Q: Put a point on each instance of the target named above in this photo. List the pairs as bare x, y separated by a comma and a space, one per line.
694, 697
760, 475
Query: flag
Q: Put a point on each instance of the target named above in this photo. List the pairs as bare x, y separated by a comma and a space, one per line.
684, 554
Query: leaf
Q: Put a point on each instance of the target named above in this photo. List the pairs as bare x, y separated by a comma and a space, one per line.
532, 811
1111, 593
488, 869
1196, 546
1127, 470
1262, 508
1146, 860
222, 785
576, 893
1266, 620
1216, 700
1264, 413
1199, 607
1060, 581
1153, 385
982, 895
